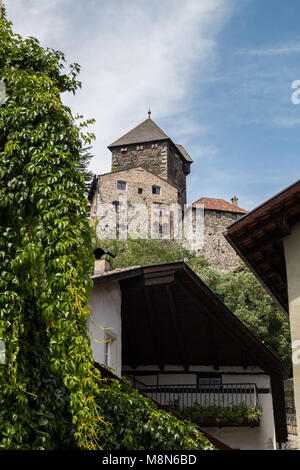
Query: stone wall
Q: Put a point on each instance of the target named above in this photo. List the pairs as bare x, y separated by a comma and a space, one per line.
153, 160
138, 191
164, 161
220, 255
176, 173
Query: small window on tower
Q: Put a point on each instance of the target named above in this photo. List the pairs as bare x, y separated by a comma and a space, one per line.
140, 147
140, 190
121, 185
156, 190
234, 216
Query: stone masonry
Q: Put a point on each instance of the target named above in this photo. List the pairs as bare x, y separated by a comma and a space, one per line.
220, 255
139, 183
145, 158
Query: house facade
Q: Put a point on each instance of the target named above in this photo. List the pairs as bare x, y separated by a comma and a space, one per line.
162, 328
268, 240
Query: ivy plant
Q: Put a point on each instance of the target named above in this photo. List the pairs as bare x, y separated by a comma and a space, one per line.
48, 384
138, 424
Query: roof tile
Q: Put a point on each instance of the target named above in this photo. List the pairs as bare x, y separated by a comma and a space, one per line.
218, 205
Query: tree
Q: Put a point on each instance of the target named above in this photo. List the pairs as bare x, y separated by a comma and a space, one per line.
49, 385
241, 292
83, 165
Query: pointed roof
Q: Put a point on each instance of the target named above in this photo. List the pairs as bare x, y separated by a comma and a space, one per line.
147, 131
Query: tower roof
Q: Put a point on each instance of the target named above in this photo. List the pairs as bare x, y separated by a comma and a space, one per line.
147, 131
184, 153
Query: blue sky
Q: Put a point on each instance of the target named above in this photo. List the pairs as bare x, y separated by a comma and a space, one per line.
216, 73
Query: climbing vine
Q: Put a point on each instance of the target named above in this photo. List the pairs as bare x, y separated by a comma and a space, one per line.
48, 384
51, 395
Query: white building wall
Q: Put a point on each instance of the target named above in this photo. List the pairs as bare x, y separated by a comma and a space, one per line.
292, 258
104, 324
261, 437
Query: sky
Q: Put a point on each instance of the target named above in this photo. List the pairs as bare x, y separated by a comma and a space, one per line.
217, 75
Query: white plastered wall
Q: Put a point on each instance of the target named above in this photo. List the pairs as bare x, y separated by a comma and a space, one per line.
105, 322
245, 438
292, 258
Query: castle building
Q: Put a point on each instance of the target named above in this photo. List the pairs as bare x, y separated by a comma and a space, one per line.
218, 215
149, 170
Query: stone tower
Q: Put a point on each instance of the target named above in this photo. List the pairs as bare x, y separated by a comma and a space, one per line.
147, 169
148, 147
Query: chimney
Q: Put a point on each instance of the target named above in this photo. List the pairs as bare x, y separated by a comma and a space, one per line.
101, 266
234, 201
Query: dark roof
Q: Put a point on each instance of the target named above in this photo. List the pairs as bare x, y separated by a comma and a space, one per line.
195, 327
258, 239
218, 205
107, 374
184, 153
147, 131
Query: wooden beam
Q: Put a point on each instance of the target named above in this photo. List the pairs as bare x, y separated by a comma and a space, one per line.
213, 347
283, 225
263, 242
214, 318
177, 328
153, 330
127, 331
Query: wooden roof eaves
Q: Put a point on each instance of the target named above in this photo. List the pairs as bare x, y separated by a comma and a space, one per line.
232, 317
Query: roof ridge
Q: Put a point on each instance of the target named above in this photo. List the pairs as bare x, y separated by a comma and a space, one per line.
146, 131
219, 204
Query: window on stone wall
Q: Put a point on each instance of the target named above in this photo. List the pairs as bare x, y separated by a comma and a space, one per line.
140, 147
234, 216
156, 190
218, 215
154, 146
140, 190
121, 185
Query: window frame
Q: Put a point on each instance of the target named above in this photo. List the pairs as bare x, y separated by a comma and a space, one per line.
154, 188
120, 182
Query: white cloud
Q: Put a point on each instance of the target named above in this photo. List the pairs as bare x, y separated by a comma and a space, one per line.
134, 54
273, 51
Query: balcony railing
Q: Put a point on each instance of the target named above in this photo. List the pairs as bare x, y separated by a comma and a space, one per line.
225, 395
